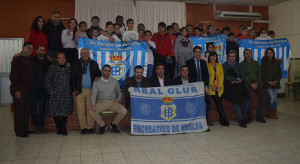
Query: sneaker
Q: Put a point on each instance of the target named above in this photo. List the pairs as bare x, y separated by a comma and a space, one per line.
114, 128
23, 135
90, 131
260, 119
102, 129
250, 119
208, 130
28, 131
83, 131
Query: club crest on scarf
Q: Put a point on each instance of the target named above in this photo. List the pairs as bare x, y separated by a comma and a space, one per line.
168, 111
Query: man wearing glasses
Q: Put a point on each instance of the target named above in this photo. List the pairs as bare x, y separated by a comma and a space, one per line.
84, 72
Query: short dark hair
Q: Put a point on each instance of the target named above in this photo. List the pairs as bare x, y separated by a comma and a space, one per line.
141, 30
116, 24
148, 31
226, 28
109, 23
40, 45
209, 26
55, 12
27, 43
247, 50
183, 67
163, 24
271, 32
197, 47
129, 20
241, 26
189, 25
141, 24
169, 27
138, 67
106, 65
94, 28
198, 28
159, 64
82, 22
174, 23
230, 34
95, 17
214, 53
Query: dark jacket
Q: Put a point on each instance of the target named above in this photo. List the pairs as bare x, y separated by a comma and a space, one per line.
77, 74
155, 82
270, 72
233, 46
193, 70
178, 81
22, 73
131, 82
54, 35
40, 69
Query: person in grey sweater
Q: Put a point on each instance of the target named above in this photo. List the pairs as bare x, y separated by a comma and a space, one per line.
183, 49
106, 95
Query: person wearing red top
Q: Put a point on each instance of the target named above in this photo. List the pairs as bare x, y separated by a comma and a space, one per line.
190, 30
163, 44
244, 34
37, 34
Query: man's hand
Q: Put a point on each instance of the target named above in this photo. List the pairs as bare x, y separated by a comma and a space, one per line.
75, 93
111, 39
68, 33
49, 59
240, 80
254, 86
176, 60
206, 90
219, 88
233, 82
97, 79
93, 109
116, 102
149, 44
213, 88
18, 94
68, 64
16, 55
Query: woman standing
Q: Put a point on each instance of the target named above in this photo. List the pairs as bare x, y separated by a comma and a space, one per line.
37, 34
67, 39
271, 75
216, 86
58, 85
183, 48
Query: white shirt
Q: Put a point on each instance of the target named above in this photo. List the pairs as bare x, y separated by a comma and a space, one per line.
262, 38
150, 53
67, 41
130, 36
104, 38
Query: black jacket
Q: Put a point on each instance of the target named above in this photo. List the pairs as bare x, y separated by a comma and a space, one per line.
233, 46
54, 35
40, 69
77, 74
155, 82
178, 81
193, 70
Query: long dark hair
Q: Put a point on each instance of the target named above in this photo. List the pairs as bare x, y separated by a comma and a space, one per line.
273, 60
35, 27
75, 29
207, 45
184, 28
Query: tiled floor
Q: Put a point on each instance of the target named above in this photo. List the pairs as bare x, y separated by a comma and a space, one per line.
277, 141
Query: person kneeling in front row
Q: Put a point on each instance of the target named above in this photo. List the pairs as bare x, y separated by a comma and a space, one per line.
106, 95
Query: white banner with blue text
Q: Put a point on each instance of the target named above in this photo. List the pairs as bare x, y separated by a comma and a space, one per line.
168, 110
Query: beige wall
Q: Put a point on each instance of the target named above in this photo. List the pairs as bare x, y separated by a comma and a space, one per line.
285, 21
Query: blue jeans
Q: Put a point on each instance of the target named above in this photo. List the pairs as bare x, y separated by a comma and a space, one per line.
273, 98
38, 96
241, 113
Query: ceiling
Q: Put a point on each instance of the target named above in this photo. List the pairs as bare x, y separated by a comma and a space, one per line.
230, 2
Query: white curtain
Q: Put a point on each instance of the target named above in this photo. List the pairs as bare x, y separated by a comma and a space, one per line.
150, 13
106, 10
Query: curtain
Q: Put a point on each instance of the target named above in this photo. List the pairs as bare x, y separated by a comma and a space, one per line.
150, 13
106, 10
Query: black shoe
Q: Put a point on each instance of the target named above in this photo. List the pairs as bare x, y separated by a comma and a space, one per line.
260, 119
250, 119
224, 123
208, 130
210, 124
83, 131
247, 121
114, 128
243, 124
90, 131
23, 135
102, 129
29, 131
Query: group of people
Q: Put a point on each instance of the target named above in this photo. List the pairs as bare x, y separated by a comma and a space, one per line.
48, 71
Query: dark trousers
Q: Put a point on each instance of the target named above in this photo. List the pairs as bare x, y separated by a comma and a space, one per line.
207, 101
38, 96
169, 68
220, 109
261, 101
72, 54
21, 110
